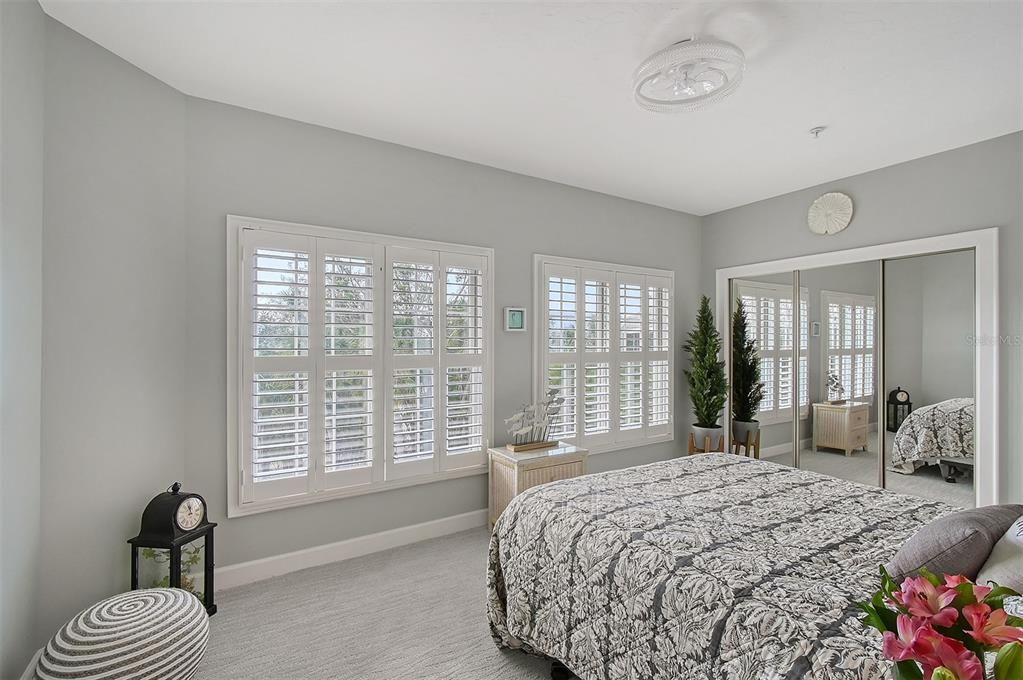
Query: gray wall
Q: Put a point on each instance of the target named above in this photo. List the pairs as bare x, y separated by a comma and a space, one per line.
903, 326
929, 317
22, 69
138, 181
967, 188
946, 362
114, 336
253, 164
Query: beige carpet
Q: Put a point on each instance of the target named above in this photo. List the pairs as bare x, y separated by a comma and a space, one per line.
412, 613
861, 467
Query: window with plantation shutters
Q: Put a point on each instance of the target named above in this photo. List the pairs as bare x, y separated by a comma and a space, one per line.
363, 362
770, 314
849, 330
605, 335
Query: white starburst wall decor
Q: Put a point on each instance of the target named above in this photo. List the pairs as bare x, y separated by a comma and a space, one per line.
830, 214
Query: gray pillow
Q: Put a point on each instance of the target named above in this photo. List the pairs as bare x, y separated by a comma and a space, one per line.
958, 543
1004, 565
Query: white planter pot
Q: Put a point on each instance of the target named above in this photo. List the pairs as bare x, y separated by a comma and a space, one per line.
741, 429
702, 433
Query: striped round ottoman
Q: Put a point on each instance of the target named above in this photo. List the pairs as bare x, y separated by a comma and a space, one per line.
156, 634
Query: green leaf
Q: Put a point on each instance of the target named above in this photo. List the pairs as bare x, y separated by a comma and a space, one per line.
747, 389
708, 386
931, 576
908, 670
872, 619
888, 584
1009, 662
996, 597
965, 595
942, 673
888, 617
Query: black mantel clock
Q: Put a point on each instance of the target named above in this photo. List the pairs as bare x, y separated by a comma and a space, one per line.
174, 548
899, 407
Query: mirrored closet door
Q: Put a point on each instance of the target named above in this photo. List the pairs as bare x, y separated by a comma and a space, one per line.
870, 376
929, 321
838, 433
767, 307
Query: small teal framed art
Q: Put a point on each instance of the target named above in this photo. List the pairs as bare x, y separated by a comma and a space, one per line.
514, 319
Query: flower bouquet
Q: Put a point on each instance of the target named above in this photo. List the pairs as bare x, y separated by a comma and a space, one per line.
943, 628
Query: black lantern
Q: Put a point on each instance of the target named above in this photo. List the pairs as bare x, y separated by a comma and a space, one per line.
174, 548
899, 406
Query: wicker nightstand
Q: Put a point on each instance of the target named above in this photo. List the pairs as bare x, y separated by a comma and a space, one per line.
512, 473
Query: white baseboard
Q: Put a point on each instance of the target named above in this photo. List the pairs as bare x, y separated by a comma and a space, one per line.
781, 449
806, 444
242, 573
30, 669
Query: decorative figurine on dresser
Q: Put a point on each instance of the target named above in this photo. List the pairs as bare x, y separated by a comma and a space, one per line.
174, 548
530, 427
531, 458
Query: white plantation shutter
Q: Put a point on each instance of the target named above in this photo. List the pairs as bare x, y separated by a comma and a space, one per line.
597, 399
606, 340
560, 327
850, 336
349, 362
360, 362
278, 365
415, 297
631, 355
597, 332
658, 357
770, 315
562, 377
464, 410
348, 420
463, 359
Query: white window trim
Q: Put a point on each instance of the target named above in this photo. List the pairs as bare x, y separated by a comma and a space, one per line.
829, 296
777, 416
540, 261
235, 353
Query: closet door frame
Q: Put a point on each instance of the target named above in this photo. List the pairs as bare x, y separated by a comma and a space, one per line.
984, 243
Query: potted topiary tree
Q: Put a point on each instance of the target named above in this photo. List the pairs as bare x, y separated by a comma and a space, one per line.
747, 390
706, 376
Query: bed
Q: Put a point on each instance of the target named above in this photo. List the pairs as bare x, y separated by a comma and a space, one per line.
940, 433
712, 566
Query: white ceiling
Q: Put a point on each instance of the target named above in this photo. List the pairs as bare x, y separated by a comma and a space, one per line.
545, 89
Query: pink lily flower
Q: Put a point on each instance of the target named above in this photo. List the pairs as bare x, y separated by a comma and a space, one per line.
927, 601
979, 591
938, 651
901, 647
988, 627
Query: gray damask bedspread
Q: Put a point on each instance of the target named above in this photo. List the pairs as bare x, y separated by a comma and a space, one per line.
710, 566
942, 430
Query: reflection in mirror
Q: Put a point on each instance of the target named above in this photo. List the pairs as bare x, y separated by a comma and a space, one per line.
767, 302
838, 436
929, 376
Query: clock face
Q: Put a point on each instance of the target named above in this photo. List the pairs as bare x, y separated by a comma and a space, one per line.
190, 513
902, 396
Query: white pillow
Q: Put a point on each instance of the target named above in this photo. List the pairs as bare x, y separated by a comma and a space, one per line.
1004, 565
